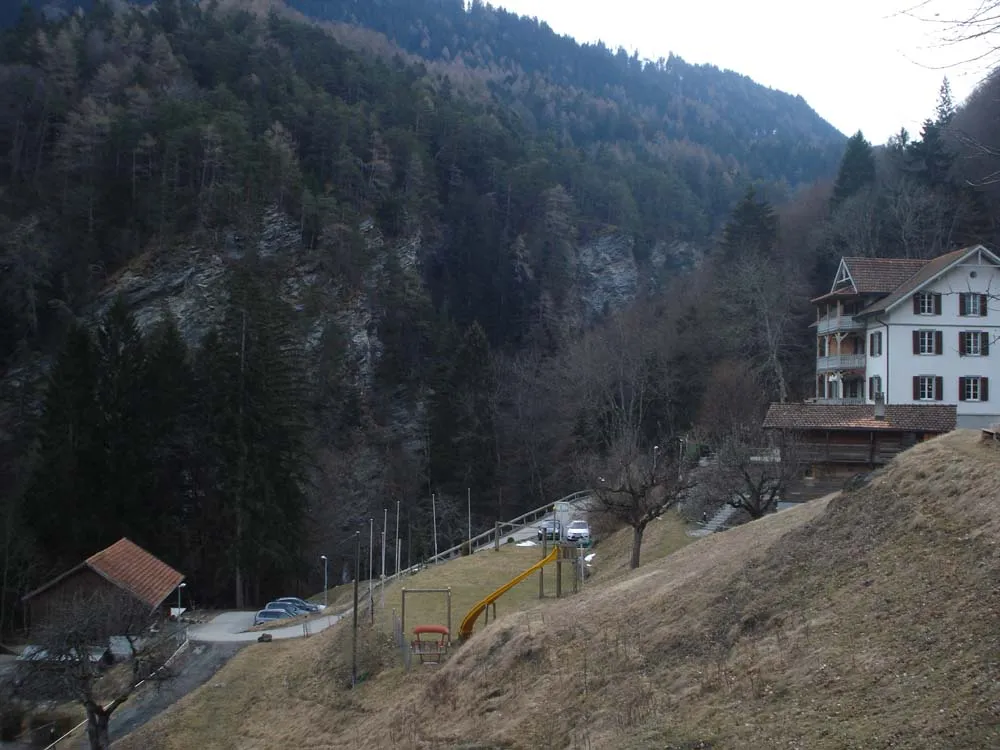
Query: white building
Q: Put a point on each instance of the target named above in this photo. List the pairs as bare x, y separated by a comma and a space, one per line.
918, 331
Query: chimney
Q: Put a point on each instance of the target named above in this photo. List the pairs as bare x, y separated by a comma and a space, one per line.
879, 406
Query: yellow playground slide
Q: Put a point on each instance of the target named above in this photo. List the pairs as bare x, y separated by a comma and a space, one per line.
465, 630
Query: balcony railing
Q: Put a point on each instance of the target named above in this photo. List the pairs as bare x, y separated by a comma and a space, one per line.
839, 323
848, 401
840, 362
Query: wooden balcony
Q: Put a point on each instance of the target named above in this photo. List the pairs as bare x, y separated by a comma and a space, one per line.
836, 323
840, 362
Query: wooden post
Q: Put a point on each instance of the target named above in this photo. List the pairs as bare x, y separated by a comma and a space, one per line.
402, 611
541, 570
496, 536
559, 564
448, 595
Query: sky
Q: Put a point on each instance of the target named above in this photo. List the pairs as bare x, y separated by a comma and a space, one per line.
861, 64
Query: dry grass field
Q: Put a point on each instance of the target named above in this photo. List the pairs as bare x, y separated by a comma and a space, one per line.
867, 620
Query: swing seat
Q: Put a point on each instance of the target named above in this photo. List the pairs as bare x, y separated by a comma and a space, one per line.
434, 646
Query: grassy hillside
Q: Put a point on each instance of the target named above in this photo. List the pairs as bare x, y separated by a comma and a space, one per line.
862, 621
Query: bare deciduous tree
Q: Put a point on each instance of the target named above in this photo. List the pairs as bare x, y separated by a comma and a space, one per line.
617, 407
642, 483
759, 301
74, 655
753, 468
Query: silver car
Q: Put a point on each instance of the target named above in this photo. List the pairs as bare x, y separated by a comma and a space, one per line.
578, 531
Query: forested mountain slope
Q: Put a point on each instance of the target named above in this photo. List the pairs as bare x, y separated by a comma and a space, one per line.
349, 272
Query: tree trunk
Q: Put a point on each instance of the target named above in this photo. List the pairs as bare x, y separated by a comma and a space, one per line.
97, 728
637, 532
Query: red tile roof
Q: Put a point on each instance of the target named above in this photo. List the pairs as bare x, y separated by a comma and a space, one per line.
898, 417
881, 275
928, 271
129, 567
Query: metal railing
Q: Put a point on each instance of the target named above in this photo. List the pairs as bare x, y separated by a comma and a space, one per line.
841, 362
489, 538
847, 401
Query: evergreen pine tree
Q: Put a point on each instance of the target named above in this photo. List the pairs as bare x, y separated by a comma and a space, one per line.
753, 228
63, 499
127, 453
255, 378
945, 109
857, 169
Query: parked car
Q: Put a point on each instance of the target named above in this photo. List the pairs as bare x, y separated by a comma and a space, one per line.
269, 615
578, 531
301, 603
288, 607
549, 529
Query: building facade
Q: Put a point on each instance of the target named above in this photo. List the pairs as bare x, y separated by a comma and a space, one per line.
918, 332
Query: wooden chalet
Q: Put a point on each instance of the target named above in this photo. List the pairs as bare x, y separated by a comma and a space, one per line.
122, 567
837, 439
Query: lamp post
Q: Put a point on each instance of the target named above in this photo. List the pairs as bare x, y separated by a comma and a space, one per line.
354, 637
326, 588
179, 598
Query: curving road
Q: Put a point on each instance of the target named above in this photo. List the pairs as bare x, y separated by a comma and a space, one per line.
230, 627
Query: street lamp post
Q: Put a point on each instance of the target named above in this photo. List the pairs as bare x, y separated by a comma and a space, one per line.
326, 588
354, 638
179, 598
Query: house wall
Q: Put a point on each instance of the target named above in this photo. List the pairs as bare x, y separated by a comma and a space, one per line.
66, 595
899, 364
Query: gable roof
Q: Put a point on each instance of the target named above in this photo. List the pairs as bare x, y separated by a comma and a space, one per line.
128, 566
898, 417
931, 270
881, 275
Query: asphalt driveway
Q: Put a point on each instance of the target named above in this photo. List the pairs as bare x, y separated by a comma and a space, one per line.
230, 627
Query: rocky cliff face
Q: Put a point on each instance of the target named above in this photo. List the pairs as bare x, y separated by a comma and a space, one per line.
189, 284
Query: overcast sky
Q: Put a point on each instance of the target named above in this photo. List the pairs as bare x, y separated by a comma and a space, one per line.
860, 64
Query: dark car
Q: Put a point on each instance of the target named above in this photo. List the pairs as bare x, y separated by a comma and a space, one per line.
300, 603
290, 608
549, 529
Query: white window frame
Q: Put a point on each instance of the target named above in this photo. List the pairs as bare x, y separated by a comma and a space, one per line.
928, 336
973, 343
926, 302
875, 344
972, 300
926, 391
973, 387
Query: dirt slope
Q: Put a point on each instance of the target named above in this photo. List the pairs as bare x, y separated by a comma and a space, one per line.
871, 620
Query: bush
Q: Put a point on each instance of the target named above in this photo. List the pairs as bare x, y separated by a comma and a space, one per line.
466, 549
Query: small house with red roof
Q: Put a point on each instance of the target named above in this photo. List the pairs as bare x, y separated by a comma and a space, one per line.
124, 567
919, 332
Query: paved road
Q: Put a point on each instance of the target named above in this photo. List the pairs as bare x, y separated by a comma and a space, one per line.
229, 627
530, 532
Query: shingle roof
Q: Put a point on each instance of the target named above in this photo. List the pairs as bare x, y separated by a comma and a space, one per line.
881, 275
928, 271
130, 567
900, 417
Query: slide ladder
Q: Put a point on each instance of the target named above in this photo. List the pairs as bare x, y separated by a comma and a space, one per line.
465, 630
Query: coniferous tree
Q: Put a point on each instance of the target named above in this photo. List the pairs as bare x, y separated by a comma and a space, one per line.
254, 376
66, 484
753, 228
857, 169
122, 400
